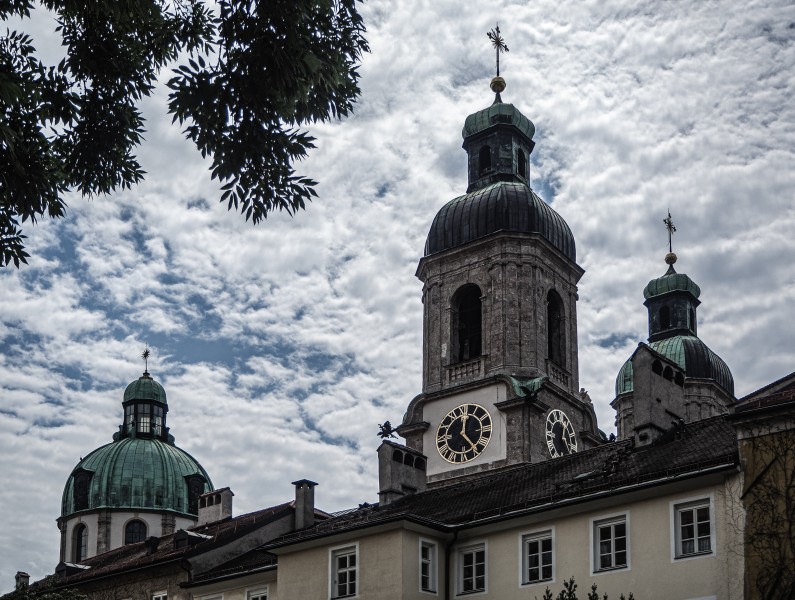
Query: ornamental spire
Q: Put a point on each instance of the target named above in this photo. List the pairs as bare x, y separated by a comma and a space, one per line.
497, 83
145, 355
670, 258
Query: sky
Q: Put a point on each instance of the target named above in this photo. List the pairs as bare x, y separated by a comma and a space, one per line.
282, 346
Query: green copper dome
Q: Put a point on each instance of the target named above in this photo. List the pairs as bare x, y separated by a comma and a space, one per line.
692, 355
497, 113
136, 473
145, 388
671, 282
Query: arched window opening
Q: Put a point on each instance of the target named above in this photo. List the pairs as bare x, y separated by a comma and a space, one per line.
80, 540
521, 162
468, 326
556, 332
135, 532
408, 460
419, 464
668, 373
397, 456
656, 367
665, 317
679, 379
692, 319
484, 160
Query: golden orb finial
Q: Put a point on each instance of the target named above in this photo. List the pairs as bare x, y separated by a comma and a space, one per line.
670, 258
497, 84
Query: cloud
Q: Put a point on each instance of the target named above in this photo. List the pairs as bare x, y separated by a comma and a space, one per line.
282, 346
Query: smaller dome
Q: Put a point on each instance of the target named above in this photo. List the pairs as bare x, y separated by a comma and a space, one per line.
145, 388
671, 282
497, 113
692, 355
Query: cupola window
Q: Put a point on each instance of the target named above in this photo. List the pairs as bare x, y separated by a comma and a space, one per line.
135, 532
484, 160
80, 541
195, 485
467, 323
556, 340
665, 317
521, 162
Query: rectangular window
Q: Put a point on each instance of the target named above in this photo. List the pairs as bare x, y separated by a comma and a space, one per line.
693, 528
610, 544
259, 594
537, 557
344, 572
472, 569
428, 566
160, 596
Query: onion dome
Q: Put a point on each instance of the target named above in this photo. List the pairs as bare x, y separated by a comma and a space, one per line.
504, 206
498, 142
671, 282
136, 473
499, 112
693, 357
145, 388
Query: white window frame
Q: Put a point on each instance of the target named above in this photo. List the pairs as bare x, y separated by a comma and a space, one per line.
460, 552
333, 553
161, 595
601, 521
212, 597
524, 539
433, 566
260, 592
681, 504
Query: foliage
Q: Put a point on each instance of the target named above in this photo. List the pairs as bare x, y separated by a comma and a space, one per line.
569, 592
256, 71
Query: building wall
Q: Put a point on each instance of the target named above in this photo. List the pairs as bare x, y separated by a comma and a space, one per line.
97, 543
389, 561
239, 588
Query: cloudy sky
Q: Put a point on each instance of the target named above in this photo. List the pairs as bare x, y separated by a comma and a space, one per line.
282, 346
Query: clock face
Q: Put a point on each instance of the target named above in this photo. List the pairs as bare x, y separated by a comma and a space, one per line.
463, 433
561, 438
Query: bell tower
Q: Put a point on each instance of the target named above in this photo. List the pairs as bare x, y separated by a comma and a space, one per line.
499, 278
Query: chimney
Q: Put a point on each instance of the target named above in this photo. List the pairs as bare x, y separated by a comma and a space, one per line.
22, 580
401, 471
304, 503
215, 506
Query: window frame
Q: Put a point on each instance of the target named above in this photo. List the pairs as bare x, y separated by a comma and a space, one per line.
433, 566
132, 521
460, 552
524, 539
160, 595
679, 505
80, 531
260, 592
601, 521
333, 553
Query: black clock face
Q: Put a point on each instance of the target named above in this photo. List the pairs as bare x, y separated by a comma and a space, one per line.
463, 433
561, 438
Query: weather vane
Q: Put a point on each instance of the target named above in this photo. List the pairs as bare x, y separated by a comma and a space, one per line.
669, 225
145, 356
498, 43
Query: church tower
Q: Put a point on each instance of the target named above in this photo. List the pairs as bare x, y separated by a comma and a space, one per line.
499, 274
675, 378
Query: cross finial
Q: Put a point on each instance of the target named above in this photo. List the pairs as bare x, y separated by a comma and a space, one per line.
499, 44
145, 356
669, 225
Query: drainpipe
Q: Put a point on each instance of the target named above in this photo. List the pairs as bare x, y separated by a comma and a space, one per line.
450, 564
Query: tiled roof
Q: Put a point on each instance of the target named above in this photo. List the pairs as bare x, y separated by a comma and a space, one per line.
531, 487
245, 563
136, 555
